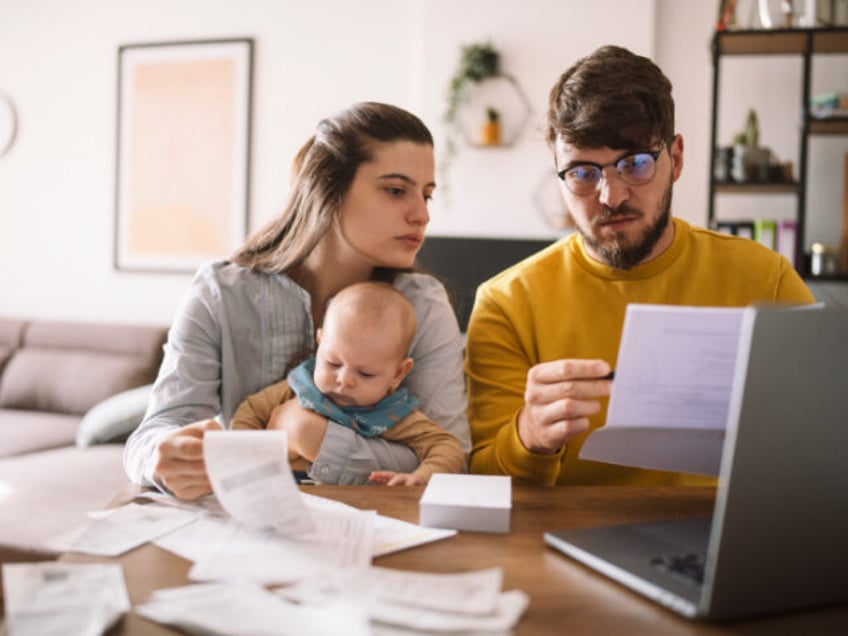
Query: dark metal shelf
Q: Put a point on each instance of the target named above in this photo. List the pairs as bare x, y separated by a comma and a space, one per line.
756, 188
829, 126
805, 44
781, 41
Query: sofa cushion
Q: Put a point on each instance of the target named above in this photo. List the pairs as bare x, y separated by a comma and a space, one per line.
43, 495
11, 337
113, 419
28, 431
67, 367
67, 381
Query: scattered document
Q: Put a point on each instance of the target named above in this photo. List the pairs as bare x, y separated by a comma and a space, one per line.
473, 592
390, 534
233, 608
253, 481
394, 535
49, 598
511, 606
341, 540
670, 397
117, 530
467, 602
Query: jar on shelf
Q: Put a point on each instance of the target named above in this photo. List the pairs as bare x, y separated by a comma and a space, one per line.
824, 260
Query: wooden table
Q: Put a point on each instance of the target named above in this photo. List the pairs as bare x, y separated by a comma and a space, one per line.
565, 597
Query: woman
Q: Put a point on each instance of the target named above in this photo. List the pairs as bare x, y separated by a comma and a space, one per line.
357, 211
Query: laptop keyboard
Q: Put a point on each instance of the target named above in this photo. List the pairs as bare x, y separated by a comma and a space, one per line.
689, 567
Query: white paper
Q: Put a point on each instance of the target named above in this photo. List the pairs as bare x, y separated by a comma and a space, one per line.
117, 530
51, 598
460, 603
394, 535
246, 610
197, 541
670, 397
341, 539
390, 534
473, 593
675, 367
253, 481
509, 609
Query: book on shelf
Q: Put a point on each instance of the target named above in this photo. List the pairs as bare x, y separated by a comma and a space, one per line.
777, 235
827, 105
787, 231
765, 232
745, 229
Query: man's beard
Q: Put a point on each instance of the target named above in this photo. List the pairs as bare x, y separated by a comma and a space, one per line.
614, 251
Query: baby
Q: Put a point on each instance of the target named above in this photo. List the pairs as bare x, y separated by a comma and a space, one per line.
353, 379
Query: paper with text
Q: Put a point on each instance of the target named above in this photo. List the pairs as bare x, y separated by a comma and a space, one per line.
671, 394
241, 608
117, 530
425, 602
253, 481
62, 598
675, 366
341, 539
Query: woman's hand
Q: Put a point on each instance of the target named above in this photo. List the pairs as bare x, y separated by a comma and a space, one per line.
558, 400
306, 429
180, 466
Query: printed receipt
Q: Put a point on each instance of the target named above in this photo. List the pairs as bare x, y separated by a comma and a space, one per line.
253, 481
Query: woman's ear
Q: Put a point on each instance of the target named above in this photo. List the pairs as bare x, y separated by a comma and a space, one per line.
403, 368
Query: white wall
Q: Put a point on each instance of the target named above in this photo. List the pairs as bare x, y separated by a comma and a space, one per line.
58, 61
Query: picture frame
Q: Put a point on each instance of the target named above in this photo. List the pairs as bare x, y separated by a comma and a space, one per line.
182, 184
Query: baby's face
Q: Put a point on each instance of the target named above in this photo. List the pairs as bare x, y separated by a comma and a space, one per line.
356, 369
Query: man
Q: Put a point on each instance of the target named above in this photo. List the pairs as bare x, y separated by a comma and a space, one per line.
544, 333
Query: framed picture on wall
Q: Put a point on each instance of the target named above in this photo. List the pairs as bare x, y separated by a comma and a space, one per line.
183, 153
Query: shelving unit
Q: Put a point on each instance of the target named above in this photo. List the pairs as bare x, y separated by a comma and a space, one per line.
805, 43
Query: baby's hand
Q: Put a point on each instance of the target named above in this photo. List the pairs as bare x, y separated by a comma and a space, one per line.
391, 478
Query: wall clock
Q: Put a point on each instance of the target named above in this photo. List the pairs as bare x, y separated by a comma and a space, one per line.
8, 123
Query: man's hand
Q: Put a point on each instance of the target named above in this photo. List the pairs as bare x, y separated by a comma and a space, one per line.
306, 429
180, 467
558, 400
391, 478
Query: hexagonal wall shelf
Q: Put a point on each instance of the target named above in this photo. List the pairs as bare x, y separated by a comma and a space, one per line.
501, 94
550, 205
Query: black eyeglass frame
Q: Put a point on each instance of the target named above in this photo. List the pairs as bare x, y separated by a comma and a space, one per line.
654, 154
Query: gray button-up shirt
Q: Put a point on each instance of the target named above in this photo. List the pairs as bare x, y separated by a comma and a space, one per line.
236, 332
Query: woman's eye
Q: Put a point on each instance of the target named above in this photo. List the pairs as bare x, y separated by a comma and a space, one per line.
395, 192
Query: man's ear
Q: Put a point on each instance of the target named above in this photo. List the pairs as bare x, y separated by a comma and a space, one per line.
675, 151
403, 368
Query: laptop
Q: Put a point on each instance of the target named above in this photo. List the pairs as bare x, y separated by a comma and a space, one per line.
777, 539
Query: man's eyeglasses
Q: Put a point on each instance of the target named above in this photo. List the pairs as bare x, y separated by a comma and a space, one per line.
636, 168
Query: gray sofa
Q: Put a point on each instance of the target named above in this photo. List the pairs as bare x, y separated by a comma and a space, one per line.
70, 393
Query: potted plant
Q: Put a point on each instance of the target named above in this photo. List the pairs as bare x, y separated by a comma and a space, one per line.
751, 162
477, 62
490, 133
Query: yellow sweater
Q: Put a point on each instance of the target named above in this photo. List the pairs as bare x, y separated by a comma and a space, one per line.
560, 303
